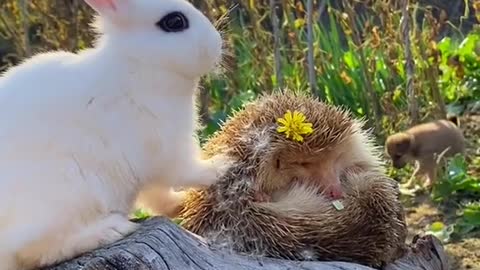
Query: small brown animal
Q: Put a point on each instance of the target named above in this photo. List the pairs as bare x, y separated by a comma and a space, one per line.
296, 220
425, 144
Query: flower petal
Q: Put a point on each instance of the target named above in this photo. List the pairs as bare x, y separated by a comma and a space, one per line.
306, 129
282, 129
301, 117
307, 125
306, 132
296, 115
282, 121
288, 116
298, 138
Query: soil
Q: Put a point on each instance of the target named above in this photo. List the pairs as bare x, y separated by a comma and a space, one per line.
421, 212
464, 253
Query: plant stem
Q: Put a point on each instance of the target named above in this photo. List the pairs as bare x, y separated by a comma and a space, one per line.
26, 38
409, 64
311, 63
277, 44
367, 77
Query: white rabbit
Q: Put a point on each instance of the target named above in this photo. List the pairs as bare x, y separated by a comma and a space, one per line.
81, 134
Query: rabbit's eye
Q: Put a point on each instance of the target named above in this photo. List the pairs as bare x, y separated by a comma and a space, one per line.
173, 22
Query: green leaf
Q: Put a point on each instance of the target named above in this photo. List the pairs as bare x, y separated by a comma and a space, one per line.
468, 45
437, 226
141, 214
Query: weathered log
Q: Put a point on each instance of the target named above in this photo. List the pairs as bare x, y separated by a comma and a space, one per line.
160, 244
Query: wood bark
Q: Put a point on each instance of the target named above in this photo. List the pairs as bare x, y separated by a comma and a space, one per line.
160, 244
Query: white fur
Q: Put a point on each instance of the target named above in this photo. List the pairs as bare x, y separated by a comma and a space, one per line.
299, 198
159, 200
81, 134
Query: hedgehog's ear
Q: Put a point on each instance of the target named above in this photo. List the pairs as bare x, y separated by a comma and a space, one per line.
275, 162
278, 164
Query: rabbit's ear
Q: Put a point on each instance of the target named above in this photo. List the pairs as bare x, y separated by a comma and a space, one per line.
103, 6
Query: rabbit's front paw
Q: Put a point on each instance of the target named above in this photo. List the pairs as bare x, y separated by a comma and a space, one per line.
90, 237
210, 174
115, 227
204, 173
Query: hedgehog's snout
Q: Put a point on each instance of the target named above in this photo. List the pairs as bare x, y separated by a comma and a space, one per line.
323, 172
328, 177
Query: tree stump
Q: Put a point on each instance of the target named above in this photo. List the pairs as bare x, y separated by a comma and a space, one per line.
160, 244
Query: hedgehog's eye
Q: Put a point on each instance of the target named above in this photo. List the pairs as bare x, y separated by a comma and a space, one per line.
278, 164
302, 164
173, 22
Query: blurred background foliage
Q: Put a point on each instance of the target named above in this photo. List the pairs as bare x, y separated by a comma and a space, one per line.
360, 51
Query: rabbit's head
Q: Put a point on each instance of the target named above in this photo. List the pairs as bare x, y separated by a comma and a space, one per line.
170, 35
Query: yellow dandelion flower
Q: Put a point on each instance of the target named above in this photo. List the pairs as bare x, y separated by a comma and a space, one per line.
294, 125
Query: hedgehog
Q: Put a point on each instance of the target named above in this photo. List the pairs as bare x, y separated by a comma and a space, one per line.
272, 199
